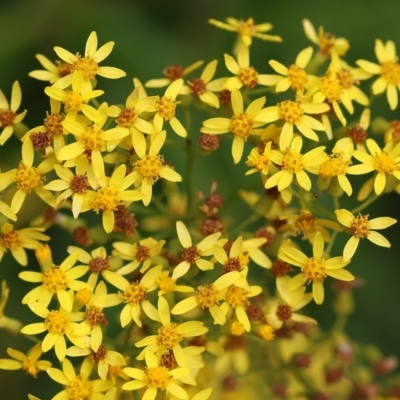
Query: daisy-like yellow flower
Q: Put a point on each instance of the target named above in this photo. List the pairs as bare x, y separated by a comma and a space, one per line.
165, 109
16, 241
388, 69
112, 192
88, 66
133, 294
143, 253
292, 113
260, 161
170, 335
58, 324
76, 100
245, 74
156, 377
296, 164
8, 112
78, 386
385, 163
246, 29
314, 269
151, 167
326, 42
361, 227
168, 285
55, 281
208, 296
52, 71
191, 254
28, 362
242, 124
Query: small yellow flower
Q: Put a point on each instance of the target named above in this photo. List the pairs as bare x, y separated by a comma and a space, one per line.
168, 285
52, 72
260, 161
315, 268
8, 112
362, 227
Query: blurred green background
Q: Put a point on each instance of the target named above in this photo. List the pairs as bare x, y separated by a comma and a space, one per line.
152, 34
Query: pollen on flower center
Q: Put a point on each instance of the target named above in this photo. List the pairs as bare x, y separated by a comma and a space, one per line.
127, 117
241, 125
168, 336
315, 269
359, 228
384, 162
157, 377
28, 178
236, 297
142, 253
134, 294
55, 279
207, 296
233, 264
335, 166
297, 77
306, 223
53, 123
293, 162
346, 79
284, 312
248, 76
168, 360
166, 284
149, 167
290, 111
87, 66
79, 184
391, 72
190, 254
97, 265
7, 118
257, 160
95, 316
106, 199
83, 296
57, 322
30, 367
79, 388
331, 87
165, 106
197, 86
11, 240
93, 139
73, 102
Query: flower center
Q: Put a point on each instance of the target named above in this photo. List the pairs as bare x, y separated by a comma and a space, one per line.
257, 160
391, 72
335, 166
28, 178
166, 284
97, 265
197, 86
293, 162
86, 65
11, 240
306, 223
30, 367
280, 268
57, 322
359, 228
331, 87
80, 388
224, 97
165, 106
95, 316
127, 117
134, 294
207, 296
247, 27
284, 312
142, 253
93, 139
249, 77
168, 360
266, 332
395, 130
297, 77
100, 354
63, 68
346, 79
326, 42
41, 140
157, 377
384, 162
73, 102
55, 279
83, 296
173, 72
290, 111
53, 123
315, 269
241, 125
190, 254
79, 184
168, 336
236, 297
149, 167
7, 118
233, 264
106, 199
237, 328
358, 134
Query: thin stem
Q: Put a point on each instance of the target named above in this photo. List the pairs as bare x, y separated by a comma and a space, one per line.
252, 218
365, 204
330, 245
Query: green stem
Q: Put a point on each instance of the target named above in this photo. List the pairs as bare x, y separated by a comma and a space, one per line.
252, 218
330, 245
160, 206
365, 204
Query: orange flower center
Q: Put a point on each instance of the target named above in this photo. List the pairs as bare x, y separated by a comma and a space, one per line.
7, 118
207, 296
290, 111
249, 77
385, 162
87, 66
57, 322
55, 279
11, 240
165, 106
331, 87
28, 178
106, 199
391, 72
335, 166
241, 125
80, 388
359, 228
127, 118
149, 167
236, 297
134, 294
297, 77
157, 377
168, 336
315, 269
293, 162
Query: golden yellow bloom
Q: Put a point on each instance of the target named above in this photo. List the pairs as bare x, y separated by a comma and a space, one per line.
259, 161
388, 69
8, 112
361, 227
168, 285
52, 72
242, 124
315, 268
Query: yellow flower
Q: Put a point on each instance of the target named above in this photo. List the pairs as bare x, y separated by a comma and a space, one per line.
88, 66
295, 163
260, 161
8, 112
242, 124
55, 281
388, 69
151, 167
78, 386
168, 285
362, 227
30, 362
192, 254
386, 163
156, 377
315, 268
292, 113
52, 72
18, 240
170, 335
246, 29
